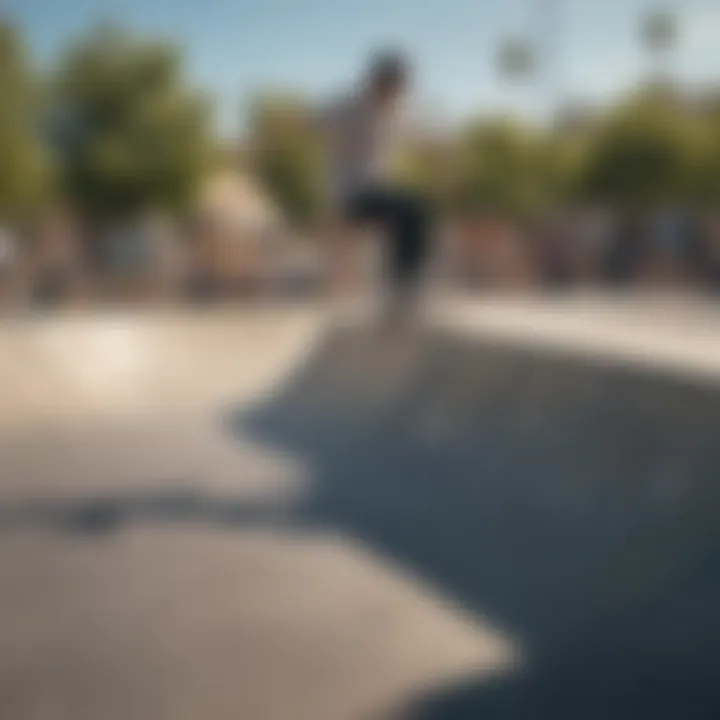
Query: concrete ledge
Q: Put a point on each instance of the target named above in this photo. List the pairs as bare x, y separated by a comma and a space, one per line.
677, 336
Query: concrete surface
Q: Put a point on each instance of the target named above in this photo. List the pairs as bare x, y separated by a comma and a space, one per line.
511, 513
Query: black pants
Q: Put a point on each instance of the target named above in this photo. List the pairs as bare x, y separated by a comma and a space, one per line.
406, 219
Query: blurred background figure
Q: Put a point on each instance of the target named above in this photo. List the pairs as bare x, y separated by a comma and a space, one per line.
625, 252
57, 265
593, 232
670, 242
556, 242
708, 260
128, 256
145, 259
10, 267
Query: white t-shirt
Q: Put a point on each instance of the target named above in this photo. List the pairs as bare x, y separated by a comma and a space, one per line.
360, 141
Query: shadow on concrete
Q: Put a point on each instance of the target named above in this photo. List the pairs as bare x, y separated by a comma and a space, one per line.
573, 504
112, 512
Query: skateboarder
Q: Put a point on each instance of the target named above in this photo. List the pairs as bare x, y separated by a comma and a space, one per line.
360, 133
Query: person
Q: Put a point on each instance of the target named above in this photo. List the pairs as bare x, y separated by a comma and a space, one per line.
361, 132
625, 250
8, 262
57, 258
8, 250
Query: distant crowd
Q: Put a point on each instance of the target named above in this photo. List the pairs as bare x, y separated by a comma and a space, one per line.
59, 262
56, 262
662, 248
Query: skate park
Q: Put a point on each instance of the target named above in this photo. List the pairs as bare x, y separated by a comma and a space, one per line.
275, 513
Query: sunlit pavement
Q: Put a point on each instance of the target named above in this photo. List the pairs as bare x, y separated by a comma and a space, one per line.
268, 513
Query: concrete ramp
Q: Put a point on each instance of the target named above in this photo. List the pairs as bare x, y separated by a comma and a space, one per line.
259, 516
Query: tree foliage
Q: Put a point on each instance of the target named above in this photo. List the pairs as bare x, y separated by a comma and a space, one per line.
648, 151
500, 167
706, 178
23, 164
129, 132
428, 166
286, 155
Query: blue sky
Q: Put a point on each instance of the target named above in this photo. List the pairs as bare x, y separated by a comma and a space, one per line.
236, 46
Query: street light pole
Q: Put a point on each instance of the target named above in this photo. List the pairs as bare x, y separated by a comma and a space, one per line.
659, 30
548, 43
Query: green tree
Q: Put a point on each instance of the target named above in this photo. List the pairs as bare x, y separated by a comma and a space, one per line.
286, 156
429, 166
129, 132
648, 151
562, 160
23, 164
500, 166
706, 187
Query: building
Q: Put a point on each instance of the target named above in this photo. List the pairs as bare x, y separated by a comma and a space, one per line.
237, 230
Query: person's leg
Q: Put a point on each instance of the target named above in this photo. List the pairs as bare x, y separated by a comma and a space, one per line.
409, 249
406, 218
